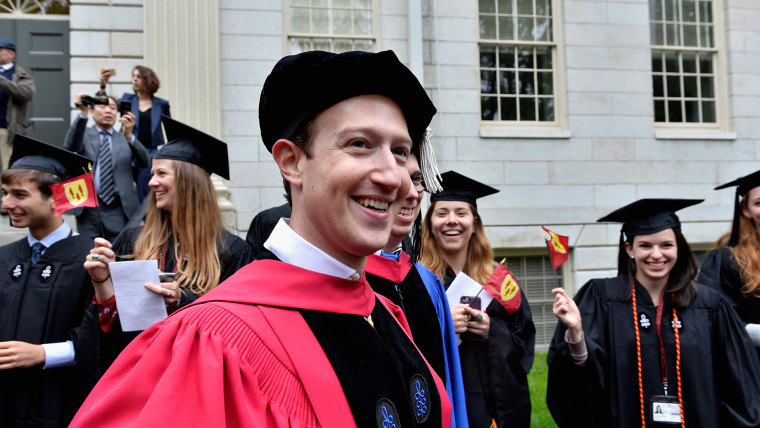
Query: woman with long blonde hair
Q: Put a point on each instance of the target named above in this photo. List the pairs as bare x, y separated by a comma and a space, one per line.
183, 231
733, 267
497, 346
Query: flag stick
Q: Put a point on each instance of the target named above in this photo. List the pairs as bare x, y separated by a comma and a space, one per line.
97, 206
554, 272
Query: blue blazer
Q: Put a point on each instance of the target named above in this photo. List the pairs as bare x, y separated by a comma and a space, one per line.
160, 106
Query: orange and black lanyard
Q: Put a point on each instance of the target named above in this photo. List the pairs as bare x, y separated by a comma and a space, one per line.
162, 264
663, 361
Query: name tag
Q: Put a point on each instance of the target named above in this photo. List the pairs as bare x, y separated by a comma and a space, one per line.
665, 409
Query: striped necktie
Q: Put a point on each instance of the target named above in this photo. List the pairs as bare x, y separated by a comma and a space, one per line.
107, 186
37, 251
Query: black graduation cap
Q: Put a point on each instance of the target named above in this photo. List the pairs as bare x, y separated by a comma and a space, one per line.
743, 186
302, 85
187, 144
647, 216
457, 187
29, 153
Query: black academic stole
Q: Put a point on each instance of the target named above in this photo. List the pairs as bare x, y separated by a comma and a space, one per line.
384, 377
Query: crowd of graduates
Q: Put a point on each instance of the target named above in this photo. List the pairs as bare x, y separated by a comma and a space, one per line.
334, 310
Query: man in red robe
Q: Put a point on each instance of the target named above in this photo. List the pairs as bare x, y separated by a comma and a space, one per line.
300, 338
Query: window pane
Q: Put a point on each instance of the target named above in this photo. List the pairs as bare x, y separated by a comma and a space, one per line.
487, 6
299, 2
705, 11
507, 82
706, 84
488, 109
689, 8
506, 28
343, 46
671, 62
487, 27
655, 10
546, 109
543, 58
527, 109
342, 3
341, 22
363, 22
690, 35
527, 84
674, 111
708, 111
657, 61
487, 56
508, 109
363, 45
322, 45
525, 7
690, 87
507, 57
525, 59
320, 3
505, 7
674, 86
525, 28
659, 111
362, 4
657, 86
487, 82
545, 83
658, 34
300, 45
544, 30
544, 7
706, 35
671, 10
692, 111
689, 60
299, 20
705, 63
672, 37
320, 21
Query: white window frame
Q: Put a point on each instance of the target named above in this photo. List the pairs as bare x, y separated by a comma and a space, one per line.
534, 129
288, 34
720, 129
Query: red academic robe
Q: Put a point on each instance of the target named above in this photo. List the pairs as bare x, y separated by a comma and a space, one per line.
229, 361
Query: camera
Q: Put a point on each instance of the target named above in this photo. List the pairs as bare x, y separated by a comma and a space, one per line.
89, 101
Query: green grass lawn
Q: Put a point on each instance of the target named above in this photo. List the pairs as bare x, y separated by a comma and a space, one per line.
540, 416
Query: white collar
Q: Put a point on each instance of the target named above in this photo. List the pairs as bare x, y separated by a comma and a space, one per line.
63, 232
291, 248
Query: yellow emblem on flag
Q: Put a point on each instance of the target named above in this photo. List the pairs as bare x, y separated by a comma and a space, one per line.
76, 191
509, 288
558, 247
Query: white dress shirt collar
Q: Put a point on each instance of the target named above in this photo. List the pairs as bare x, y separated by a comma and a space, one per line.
290, 248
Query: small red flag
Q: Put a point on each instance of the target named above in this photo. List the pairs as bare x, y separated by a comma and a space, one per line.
503, 286
73, 193
557, 245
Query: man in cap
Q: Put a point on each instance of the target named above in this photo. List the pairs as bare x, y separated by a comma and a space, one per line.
300, 338
115, 153
48, 325
16, 90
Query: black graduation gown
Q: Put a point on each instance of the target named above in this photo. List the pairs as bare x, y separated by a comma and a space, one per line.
262, 225
411, 295
719, 370
48, 302
233, 254
721, 272
495, 370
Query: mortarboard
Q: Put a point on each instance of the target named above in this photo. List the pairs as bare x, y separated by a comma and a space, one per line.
7, 44
647, 216
457, 187
743, 186
29, 153
187, 144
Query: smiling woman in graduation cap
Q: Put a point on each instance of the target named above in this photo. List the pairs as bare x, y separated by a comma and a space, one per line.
734, 266
183, 223
497, 347
651, 338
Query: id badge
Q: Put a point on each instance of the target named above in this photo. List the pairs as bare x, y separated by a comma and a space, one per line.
665, 409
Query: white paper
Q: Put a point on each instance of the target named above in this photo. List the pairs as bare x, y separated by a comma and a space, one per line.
463, 285
138, 307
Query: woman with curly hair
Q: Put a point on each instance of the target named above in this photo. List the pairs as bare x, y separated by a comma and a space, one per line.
497, 346
733, 267
183, 231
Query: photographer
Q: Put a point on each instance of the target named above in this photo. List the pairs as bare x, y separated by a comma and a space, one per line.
114, 154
